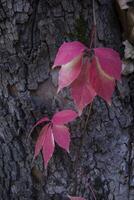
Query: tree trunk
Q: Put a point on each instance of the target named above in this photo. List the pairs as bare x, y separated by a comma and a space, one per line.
101, 159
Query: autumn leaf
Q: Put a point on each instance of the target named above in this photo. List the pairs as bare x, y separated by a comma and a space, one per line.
54, 131
87, 72
63, 117
62, 136
69, 72
105, 69
67, 52
82, 90
123, 3
48, 145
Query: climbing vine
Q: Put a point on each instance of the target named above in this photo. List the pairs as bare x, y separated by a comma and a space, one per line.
88, 72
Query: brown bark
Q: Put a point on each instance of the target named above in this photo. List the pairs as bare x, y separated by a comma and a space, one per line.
30, 33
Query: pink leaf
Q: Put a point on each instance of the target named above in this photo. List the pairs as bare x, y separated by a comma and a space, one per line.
64, 117
67, 52
48, 146
87, 78
76, 198
110, 61
62, 136
103, 83
69, 72
81, 89
40, 140
54, 131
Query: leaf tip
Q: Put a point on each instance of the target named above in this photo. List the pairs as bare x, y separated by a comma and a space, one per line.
45, 165
59, 89
109, 103
68, 151
79, 112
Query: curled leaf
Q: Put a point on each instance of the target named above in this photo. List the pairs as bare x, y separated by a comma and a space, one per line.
123, 3
41, 121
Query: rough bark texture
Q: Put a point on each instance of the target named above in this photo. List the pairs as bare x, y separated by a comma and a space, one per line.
30, 33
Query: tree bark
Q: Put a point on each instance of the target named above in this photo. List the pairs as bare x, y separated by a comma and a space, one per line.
102, 158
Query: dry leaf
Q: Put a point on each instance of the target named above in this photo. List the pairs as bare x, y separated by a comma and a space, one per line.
127, 68
128, 63
123, 3
126, 15
129, 50
130, 22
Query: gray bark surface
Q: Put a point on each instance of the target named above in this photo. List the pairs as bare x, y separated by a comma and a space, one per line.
30, 33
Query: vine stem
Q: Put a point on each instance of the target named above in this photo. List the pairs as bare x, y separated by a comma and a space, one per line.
92, 192
92, 43
93, 32
87, 119
85, 126
94, 15
78, 154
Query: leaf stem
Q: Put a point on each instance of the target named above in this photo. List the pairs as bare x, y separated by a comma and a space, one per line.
92, 192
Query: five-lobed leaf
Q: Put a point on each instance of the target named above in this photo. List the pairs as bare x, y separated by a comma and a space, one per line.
54, 131
87, 74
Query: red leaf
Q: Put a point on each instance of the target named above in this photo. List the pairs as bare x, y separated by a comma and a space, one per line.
67, 52
110, 62
48, 146
62, 136
76, 63
69, 72
81, 89
102, 83
55, 130
76, 198
63, 117
40, 140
